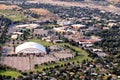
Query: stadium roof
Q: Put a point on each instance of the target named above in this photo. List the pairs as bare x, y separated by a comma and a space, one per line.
30, 47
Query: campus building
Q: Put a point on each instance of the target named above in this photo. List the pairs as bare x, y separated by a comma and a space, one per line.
30, 48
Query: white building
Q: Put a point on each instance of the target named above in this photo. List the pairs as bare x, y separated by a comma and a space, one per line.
28, 26
30, 47
78, 26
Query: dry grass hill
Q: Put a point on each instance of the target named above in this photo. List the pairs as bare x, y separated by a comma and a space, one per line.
44, 13
4, 7
109, 8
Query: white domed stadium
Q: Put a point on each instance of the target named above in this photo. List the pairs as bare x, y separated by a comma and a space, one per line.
30, 48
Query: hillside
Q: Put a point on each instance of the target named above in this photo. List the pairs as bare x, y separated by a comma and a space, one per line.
109, 8
3, 7
113, 1
44, 13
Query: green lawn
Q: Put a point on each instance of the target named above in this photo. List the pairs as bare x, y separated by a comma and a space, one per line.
83, 53
13, 15
41, 42
11, 73
80, 57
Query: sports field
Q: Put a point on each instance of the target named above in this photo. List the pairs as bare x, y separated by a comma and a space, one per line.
13, 15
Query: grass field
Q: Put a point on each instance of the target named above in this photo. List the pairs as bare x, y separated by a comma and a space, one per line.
41, 42
13, 15
80, 57
81, 51
11, 73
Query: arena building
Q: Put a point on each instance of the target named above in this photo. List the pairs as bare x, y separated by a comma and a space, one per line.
30, 48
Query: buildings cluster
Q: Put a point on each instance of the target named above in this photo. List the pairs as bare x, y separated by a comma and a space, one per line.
75, 23
72, 32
